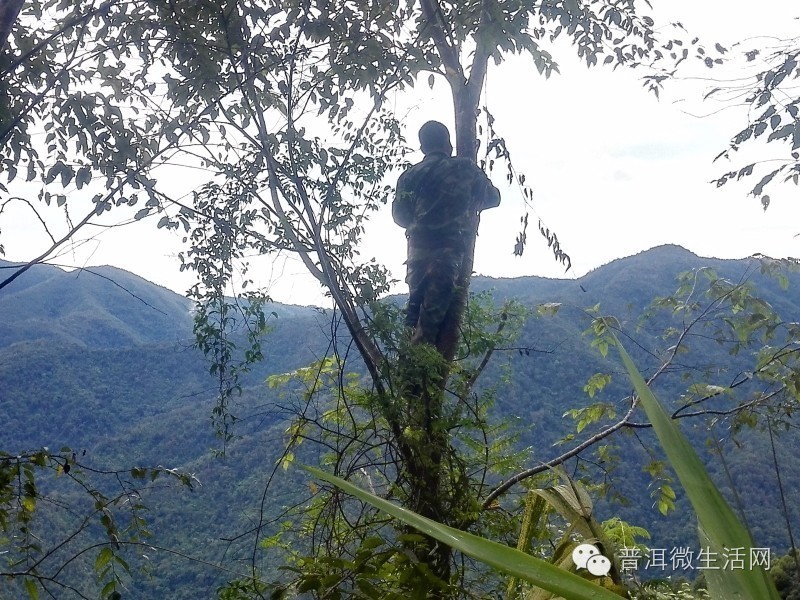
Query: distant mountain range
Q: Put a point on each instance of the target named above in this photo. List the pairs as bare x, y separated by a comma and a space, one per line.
102, 361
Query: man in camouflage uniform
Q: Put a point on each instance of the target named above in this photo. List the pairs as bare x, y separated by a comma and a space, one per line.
437, 202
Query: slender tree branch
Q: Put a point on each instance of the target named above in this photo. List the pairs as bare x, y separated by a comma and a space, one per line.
50, 250
447, 51
783, 498
67, 25
486, 357
36, 212
504, 487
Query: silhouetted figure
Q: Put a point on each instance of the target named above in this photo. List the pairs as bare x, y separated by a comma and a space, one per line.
437, 202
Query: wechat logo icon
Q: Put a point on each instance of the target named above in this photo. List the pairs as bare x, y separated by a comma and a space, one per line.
588, 557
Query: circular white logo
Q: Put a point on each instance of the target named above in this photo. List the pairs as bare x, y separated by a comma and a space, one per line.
599, 565
587, 556
582, 554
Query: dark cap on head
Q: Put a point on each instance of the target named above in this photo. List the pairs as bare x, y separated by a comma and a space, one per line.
434, 137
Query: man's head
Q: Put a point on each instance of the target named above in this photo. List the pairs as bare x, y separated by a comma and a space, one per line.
434, 137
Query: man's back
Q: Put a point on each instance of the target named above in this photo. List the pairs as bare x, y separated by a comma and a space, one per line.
438, 199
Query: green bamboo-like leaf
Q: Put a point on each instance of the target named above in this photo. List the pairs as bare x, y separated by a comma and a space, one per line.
30, 587
503, 558
720, 529
535, 507
577, 511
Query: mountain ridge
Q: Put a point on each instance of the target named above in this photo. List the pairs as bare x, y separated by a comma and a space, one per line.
84, 364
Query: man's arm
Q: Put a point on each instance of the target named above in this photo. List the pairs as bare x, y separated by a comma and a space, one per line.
403, 204
485, 194
491, 196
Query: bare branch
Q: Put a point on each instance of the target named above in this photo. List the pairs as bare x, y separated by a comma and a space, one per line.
504, 487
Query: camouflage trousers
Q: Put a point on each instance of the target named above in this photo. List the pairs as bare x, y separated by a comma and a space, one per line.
431, 277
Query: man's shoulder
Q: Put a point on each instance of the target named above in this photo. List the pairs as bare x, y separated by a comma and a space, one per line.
458, 167
415, 170
450, 167
407, 178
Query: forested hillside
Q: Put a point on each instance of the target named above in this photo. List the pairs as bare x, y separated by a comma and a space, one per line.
103, 362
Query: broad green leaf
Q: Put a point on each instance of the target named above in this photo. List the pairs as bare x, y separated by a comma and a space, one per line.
123, 563
103, 558
503, 558
720, 529
108, 589
571, 503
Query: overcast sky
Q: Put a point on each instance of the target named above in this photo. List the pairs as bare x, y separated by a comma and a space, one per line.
614, 171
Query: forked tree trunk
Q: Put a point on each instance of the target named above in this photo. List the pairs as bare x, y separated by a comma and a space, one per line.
432, 492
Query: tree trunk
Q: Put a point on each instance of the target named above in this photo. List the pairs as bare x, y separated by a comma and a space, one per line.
432, 491
465, 101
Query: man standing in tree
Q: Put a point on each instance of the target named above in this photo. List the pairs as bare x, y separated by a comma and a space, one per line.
437, 202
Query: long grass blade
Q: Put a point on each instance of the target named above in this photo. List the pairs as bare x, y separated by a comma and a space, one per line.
503, 558
720, 530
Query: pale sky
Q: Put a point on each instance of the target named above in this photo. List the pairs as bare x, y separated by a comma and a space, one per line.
614, 172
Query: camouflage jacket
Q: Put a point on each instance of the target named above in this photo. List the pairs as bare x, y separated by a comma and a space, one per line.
438, 200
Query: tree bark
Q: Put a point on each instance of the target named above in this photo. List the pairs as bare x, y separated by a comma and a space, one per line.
465, 100
431, 491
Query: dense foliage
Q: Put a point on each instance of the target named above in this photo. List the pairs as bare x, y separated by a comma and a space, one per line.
282, 107
141, 400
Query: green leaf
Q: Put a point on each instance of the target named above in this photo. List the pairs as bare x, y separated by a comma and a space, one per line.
720, 528
83, 177
105, 555
287, 460
30, 587
504, 559
548, 308
29, 503
66, 175
108, 589
123, 563
781, 133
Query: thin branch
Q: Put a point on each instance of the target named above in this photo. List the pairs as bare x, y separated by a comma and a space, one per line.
71, 23
123, 288
486, 357
36, 212
746, 378
504, 487
783, 497
50, 250
447, 52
